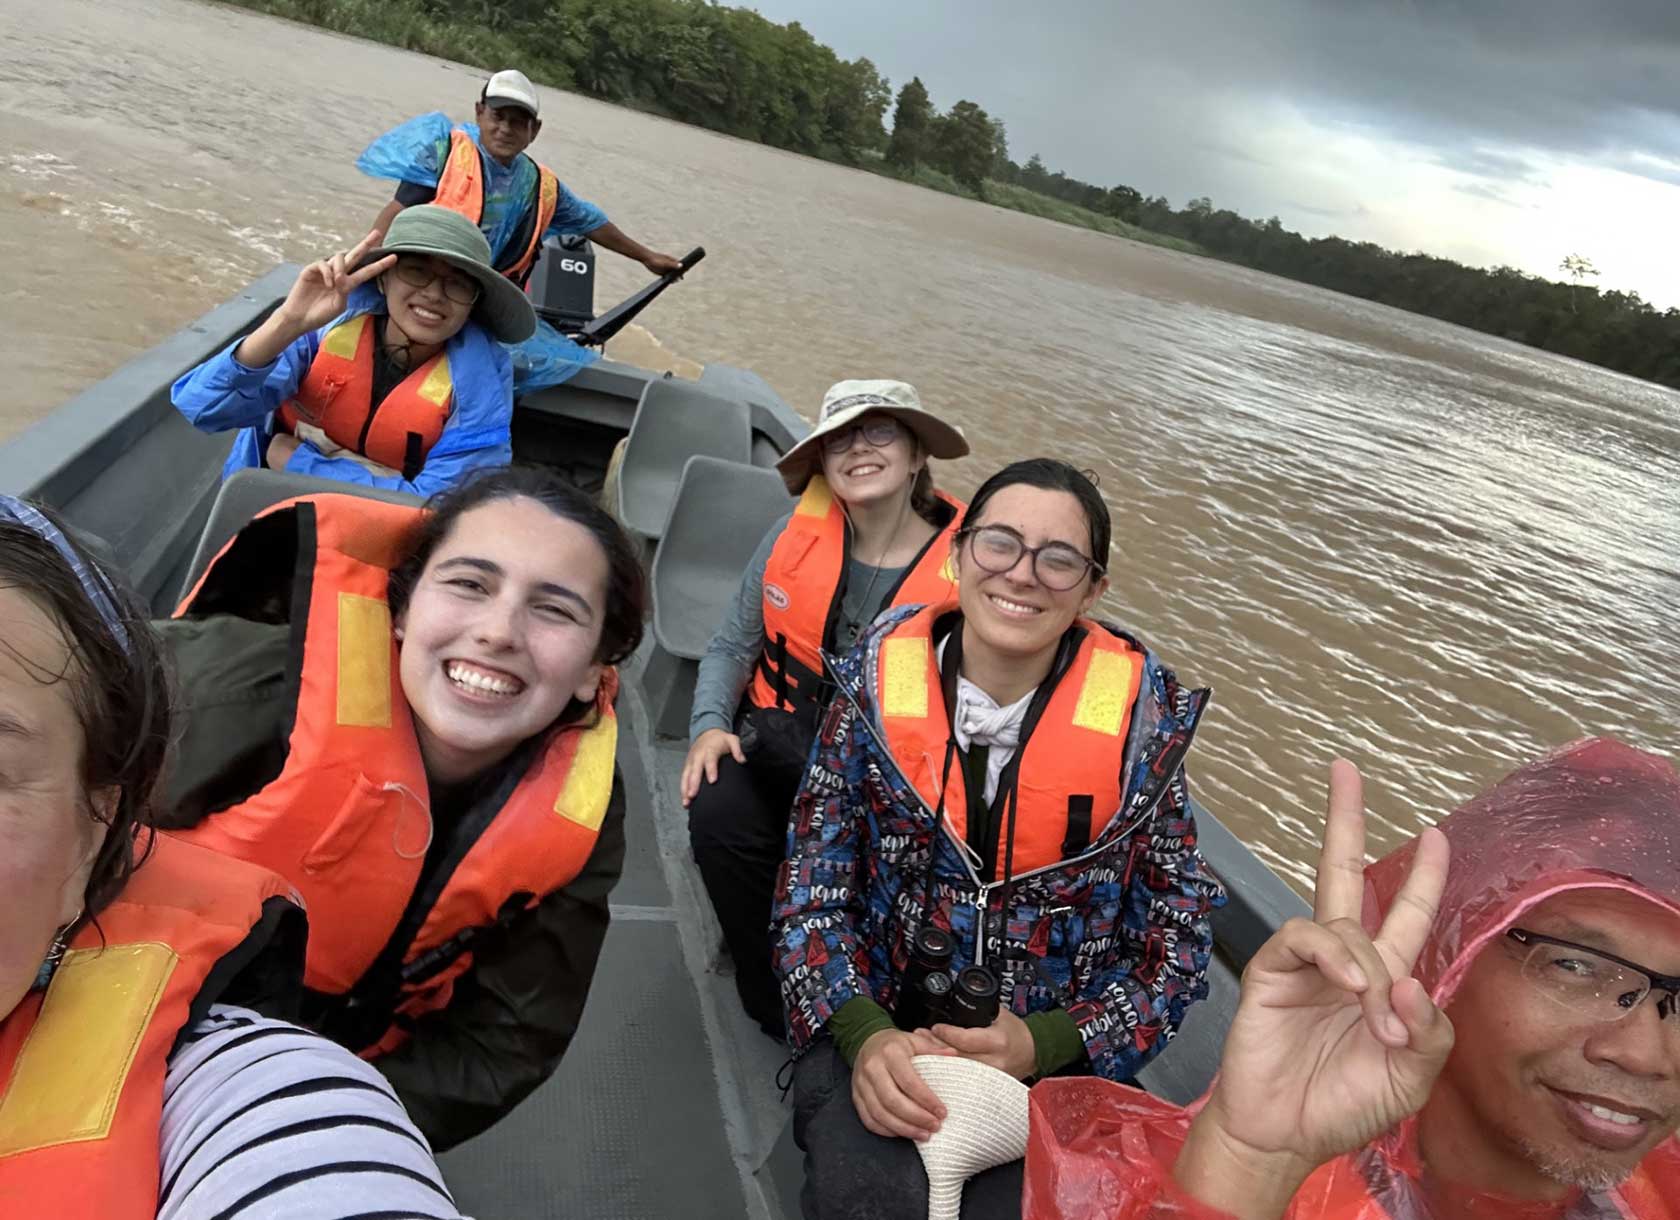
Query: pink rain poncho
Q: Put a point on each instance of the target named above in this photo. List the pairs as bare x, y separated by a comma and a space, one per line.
1592, 815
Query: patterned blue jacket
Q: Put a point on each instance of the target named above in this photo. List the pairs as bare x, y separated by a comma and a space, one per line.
1118, 936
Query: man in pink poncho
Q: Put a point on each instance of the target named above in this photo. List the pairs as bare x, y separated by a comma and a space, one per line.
1495, 1040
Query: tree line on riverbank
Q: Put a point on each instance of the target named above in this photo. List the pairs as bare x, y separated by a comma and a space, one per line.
733, 70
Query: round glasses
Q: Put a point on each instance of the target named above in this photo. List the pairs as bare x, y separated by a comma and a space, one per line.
416, 273
1058, 566
878, 432
1595, 984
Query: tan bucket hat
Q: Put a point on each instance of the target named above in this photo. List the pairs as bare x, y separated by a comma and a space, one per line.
847, 401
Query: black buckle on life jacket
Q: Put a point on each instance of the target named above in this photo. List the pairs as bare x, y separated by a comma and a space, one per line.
1078, 824
414, 457
439, 958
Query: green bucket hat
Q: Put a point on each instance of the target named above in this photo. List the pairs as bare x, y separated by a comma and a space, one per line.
502, 309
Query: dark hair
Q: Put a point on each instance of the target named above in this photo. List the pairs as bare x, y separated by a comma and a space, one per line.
121, 695
1052, 474
627, 589
923, 502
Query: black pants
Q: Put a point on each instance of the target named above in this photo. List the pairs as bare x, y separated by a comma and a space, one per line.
852, 1172
738, 829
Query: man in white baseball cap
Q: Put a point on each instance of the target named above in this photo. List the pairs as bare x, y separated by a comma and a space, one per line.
482, 171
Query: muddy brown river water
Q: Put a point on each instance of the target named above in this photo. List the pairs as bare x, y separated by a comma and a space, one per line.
1370, 533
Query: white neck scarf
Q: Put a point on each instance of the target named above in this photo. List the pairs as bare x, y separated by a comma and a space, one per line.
978, 720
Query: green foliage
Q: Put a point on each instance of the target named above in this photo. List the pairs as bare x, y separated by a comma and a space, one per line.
912, 126
964, 145
1020, 199
725, 68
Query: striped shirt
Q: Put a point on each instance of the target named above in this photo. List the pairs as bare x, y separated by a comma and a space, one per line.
266, 1121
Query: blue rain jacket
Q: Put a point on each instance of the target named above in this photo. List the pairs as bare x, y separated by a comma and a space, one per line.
416, 152
222, 394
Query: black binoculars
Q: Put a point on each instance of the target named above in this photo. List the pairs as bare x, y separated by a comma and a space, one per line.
931, 994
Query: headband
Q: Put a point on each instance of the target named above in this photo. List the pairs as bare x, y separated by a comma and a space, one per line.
92, 580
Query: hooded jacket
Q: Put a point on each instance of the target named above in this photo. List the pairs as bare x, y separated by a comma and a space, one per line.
1117, 936
1597, 814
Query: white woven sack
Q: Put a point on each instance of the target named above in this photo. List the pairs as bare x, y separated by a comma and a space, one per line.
985, 1126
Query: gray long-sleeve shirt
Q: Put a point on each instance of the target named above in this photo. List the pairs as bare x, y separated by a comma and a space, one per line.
728, 664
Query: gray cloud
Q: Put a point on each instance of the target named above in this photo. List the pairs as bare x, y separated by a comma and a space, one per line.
1486, 190
1114, 91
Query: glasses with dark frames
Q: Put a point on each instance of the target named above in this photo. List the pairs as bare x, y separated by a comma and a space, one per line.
1057, 565
1590, 981
877, 432
462, 289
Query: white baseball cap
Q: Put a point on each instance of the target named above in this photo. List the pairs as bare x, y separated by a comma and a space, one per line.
512, 88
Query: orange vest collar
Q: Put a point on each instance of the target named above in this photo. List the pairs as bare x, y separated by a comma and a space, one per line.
84, 1062
348, 820
336, 396
802, 586
1068, 779
461, 189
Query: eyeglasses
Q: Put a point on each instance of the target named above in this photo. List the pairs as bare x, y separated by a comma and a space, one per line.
1591, 982
1058, 566
878, 432
416, 273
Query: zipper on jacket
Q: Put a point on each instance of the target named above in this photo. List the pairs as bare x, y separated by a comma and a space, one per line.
983, 889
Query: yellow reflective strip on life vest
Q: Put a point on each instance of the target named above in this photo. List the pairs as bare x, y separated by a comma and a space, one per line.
343, 339
364, 661
817, 500
1105, 696
948, 569
588, 788
464, 154
69, 1076
904, 667
438, 384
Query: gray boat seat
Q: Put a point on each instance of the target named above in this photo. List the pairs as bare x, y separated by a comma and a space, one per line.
675, 421
248, 492
721, 513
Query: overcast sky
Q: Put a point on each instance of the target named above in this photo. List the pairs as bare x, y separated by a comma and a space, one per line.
1491, 131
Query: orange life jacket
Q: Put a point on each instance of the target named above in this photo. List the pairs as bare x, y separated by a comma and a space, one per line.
82, 1063
337, 397
802, 591
461, 189
1066, 772
348, 819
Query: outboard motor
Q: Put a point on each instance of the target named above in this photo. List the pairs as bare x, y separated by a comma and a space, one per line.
562, 284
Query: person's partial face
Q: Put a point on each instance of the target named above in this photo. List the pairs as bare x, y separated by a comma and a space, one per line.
501, 633
1014, 611
48, 834
873, 458
506, 131
1578, 1102
428, 298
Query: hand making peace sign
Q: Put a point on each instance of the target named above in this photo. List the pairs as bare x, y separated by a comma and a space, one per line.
1333, 1042
320, 294
323, 288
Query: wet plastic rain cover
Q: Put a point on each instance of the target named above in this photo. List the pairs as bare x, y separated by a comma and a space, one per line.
547, 358
1592, 815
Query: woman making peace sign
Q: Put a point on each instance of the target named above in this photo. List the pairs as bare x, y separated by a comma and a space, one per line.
383, 367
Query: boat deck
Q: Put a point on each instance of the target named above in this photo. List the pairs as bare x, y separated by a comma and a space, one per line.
666, 1104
